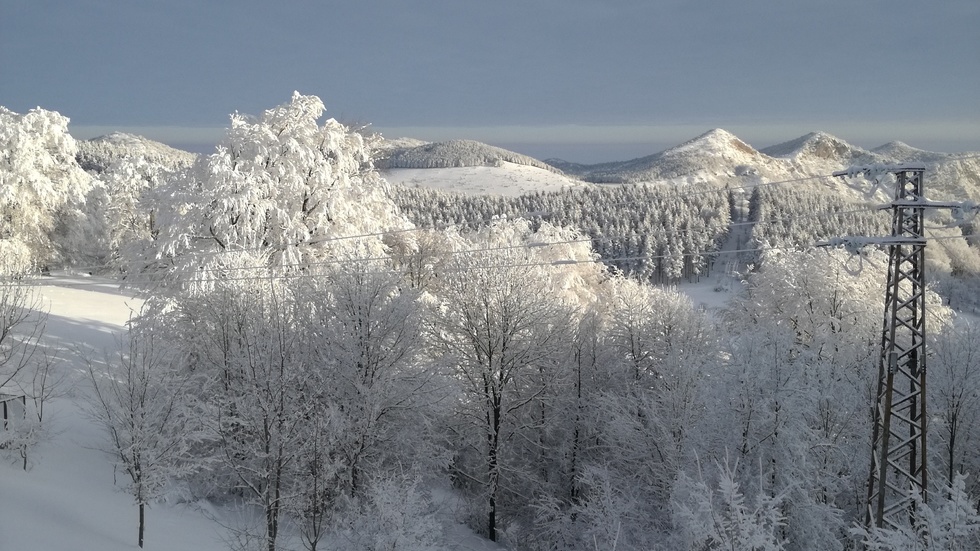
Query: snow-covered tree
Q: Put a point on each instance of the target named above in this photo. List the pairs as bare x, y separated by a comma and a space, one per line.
143, 402
954, 403
500, 328
395, 514
41, 187
124, 208
281, 182
370, 383
20, 327
25, 366
795, 391
664, 346
259, 390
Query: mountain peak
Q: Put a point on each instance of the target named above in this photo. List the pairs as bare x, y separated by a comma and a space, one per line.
816, 144
717, 141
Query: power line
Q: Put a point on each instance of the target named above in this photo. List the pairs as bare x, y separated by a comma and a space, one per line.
554, 263
478, 223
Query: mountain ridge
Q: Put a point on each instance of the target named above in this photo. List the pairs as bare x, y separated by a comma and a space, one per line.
715, 157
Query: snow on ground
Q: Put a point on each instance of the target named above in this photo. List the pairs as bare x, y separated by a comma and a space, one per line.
71, 498
67, 500
509, 179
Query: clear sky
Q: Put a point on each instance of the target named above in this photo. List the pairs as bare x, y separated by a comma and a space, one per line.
586, 80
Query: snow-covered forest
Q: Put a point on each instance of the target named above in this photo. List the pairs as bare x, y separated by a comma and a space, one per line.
329, 356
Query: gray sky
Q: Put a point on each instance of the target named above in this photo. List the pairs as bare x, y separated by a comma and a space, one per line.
583, 80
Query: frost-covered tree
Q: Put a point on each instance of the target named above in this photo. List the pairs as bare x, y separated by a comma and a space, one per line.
283, 183
124, 209
631, 227
371, 385
639, 368
794, 394
259, 389
394, 514
499, 327
664, 346
41, 187
25, 366
20, 327
954, 403
311, 387
144, 404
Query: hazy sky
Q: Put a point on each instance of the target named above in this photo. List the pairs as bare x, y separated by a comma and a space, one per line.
583, 80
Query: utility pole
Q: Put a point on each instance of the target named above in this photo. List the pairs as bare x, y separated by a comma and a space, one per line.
898, 455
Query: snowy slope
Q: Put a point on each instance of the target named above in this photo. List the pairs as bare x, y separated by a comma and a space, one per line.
714, 155
950, 176
67, 500
469, 167
506, 179
454, 153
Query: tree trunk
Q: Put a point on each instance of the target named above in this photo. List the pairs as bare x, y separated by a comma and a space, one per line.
270, 529
272, 517
493, 470
142, 523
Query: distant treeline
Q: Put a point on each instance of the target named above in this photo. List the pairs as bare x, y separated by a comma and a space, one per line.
663, 234
798, 217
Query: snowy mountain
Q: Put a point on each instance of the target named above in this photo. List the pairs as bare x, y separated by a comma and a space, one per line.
818, 145
720, 157
706, 158
99, 153
715, 157
948, 175
901, 150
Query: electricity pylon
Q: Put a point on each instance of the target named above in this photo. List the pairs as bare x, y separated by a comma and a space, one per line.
898, 456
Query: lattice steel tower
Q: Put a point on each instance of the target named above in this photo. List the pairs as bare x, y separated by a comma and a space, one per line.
898, 459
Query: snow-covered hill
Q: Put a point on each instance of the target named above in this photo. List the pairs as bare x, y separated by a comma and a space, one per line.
469, 167
454, 154
99, 153
504, 179
948, 176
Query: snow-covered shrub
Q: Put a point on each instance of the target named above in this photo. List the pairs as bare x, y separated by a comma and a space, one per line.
15, 257
722, 517
395, 514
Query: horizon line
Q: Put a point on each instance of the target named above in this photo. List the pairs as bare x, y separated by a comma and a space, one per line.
962, 136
